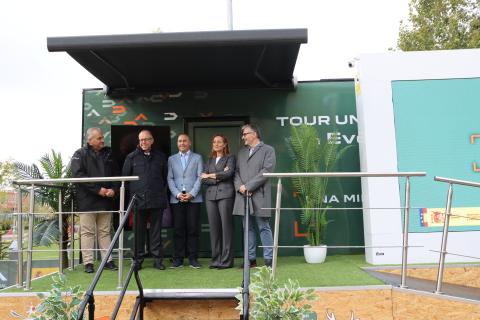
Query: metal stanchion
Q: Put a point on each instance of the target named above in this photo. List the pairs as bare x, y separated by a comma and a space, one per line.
19, 238
120, 240
137, 261
405, 233
72, 237
246, 261
277, 225
28, 279
60, 232
443, 250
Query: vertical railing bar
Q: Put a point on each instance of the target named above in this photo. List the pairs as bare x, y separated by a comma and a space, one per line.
60, 229
72, 236
277, 225
120, 240
30, 238
246, 260
443, 250
19, 238
405, 233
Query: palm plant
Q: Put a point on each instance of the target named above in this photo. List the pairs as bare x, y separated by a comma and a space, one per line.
310, 155
46, 231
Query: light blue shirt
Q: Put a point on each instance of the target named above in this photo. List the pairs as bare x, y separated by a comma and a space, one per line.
184, 158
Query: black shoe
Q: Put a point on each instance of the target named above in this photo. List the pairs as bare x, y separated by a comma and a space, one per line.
194, 264
268, 262
224, 267
177, 263
89, 268
110, 265
157, 264
213, 267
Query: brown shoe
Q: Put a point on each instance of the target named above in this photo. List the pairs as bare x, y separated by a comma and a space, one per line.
253, 264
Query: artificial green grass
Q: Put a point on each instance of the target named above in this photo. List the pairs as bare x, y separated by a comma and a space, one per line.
341, 270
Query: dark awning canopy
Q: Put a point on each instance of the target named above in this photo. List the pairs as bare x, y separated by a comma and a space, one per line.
188, 60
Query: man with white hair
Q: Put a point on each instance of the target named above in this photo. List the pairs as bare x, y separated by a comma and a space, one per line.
94, 160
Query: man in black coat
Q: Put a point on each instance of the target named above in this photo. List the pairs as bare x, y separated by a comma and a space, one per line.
94, 160
151, 166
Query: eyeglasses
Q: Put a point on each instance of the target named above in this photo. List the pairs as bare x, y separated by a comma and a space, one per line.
145, 140
245, 133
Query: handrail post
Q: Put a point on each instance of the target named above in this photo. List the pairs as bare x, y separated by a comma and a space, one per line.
120, 240
60, 232
246, 261
92, 286
405, 233
28, 279
277, 225
137, 260
91, 307
19, 238
443, 250
72, 236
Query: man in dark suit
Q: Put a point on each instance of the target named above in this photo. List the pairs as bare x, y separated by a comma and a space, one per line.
184, 170
253, 160
151, 194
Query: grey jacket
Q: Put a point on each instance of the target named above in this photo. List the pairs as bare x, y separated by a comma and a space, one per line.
222, 187
249, 172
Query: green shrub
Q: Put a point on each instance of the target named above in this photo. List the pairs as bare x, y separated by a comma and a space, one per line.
270, 301
61, 303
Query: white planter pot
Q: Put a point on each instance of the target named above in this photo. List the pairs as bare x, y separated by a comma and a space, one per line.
315, 254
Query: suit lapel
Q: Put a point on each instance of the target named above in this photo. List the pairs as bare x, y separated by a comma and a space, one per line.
220, 163
254, 150
189, 160
180, 162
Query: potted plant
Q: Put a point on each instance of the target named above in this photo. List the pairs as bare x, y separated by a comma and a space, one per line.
309, 154
270, 301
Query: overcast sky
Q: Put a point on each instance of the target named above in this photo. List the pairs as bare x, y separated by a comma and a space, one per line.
41, 92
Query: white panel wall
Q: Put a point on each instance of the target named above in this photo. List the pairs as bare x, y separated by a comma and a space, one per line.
377, 144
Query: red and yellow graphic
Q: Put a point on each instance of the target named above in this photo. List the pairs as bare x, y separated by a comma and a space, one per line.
460, 217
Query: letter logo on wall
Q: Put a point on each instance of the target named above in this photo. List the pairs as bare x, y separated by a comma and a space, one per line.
170, 116
472, 141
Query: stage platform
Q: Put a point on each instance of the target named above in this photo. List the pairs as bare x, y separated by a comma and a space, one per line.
374, 299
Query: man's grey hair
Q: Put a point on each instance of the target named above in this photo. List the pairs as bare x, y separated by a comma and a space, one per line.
252, 127
90, 131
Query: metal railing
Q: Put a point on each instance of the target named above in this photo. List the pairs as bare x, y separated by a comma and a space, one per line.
406, 207
89, 300
446, 222
57, 183
246, 261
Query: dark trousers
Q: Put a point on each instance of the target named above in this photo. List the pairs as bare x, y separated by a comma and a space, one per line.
186, 218
155, 232
221, 231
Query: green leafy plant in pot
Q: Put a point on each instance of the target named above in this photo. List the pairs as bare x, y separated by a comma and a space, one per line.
271, 300
309, 154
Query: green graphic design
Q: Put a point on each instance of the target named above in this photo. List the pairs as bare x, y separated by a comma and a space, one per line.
329, 106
